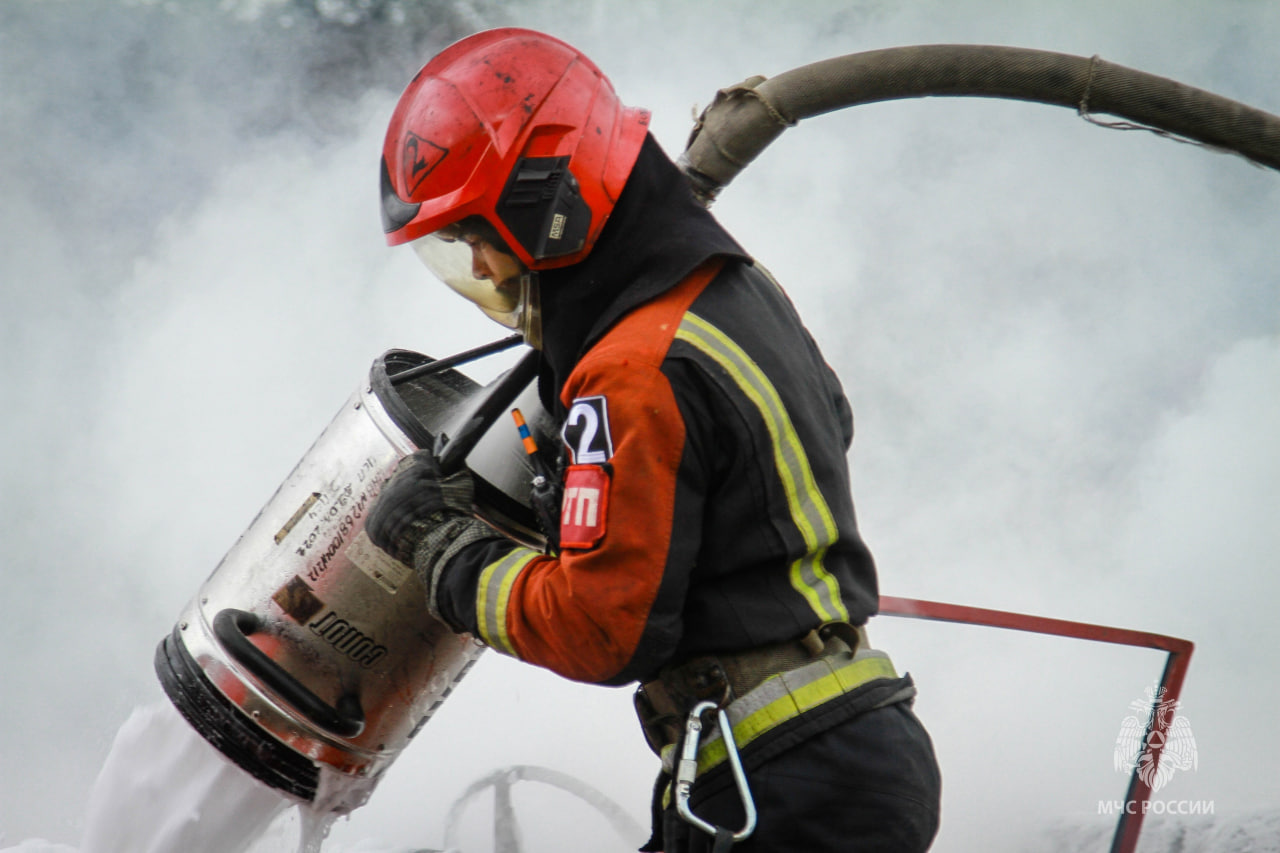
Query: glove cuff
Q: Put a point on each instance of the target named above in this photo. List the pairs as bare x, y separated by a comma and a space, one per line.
457, 492
439, 546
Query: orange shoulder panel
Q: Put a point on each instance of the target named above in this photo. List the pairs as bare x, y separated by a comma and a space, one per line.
582, 614
647, 331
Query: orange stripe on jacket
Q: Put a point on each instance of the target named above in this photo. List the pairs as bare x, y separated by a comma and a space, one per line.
582, 614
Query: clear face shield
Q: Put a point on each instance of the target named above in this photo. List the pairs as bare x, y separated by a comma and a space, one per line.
472, 260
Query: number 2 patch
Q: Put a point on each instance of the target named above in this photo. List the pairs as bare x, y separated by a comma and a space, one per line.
585, 507
586, 431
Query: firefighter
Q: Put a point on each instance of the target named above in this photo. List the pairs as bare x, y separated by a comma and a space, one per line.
706, 546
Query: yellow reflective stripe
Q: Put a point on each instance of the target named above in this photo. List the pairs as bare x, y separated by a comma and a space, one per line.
809, 510
492, 595
784, 697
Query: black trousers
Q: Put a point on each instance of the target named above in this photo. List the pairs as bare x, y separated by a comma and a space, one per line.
868, 784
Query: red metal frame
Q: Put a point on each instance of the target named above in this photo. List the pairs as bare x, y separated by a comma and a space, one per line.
1175, 672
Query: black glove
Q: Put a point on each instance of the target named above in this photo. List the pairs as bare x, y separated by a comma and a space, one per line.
415, 499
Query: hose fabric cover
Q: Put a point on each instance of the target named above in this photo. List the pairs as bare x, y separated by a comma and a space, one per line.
744, 119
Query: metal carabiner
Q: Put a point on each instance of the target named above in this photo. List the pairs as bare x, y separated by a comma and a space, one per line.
687, 771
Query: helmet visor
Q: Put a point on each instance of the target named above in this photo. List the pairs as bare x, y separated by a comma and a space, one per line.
474, 262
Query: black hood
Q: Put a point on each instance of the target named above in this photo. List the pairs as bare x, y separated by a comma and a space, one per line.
657, 234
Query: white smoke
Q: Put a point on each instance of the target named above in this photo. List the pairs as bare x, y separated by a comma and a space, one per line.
1062, 345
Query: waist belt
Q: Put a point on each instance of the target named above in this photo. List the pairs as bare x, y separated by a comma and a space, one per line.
760, 689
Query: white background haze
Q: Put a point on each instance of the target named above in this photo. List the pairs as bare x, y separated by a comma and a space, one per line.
1062, 345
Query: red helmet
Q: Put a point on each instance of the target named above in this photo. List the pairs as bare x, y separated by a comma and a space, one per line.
515, 127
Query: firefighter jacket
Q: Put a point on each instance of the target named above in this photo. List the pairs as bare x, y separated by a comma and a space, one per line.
706, 493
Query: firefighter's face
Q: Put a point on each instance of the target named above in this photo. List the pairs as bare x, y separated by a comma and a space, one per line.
491, 264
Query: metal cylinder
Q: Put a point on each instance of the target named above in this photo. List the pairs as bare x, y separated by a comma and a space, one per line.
308, 657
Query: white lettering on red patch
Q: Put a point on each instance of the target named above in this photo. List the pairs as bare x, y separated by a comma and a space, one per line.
586, 506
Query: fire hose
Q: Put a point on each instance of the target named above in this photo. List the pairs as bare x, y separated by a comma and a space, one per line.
744, 119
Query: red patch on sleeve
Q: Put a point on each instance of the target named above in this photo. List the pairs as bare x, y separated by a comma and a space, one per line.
585, 507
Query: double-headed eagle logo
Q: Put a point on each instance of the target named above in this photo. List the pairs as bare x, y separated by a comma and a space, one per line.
1172, 746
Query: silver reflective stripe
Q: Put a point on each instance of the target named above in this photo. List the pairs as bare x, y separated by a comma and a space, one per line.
809, 510
492, 594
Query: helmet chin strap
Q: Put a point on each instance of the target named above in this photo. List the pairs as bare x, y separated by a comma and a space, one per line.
531, 309
526, 317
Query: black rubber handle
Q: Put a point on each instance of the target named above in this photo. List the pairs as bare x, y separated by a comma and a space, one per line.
494, 401
455, 360
233, 628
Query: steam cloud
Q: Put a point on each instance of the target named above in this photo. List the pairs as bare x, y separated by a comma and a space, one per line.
1062, 345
